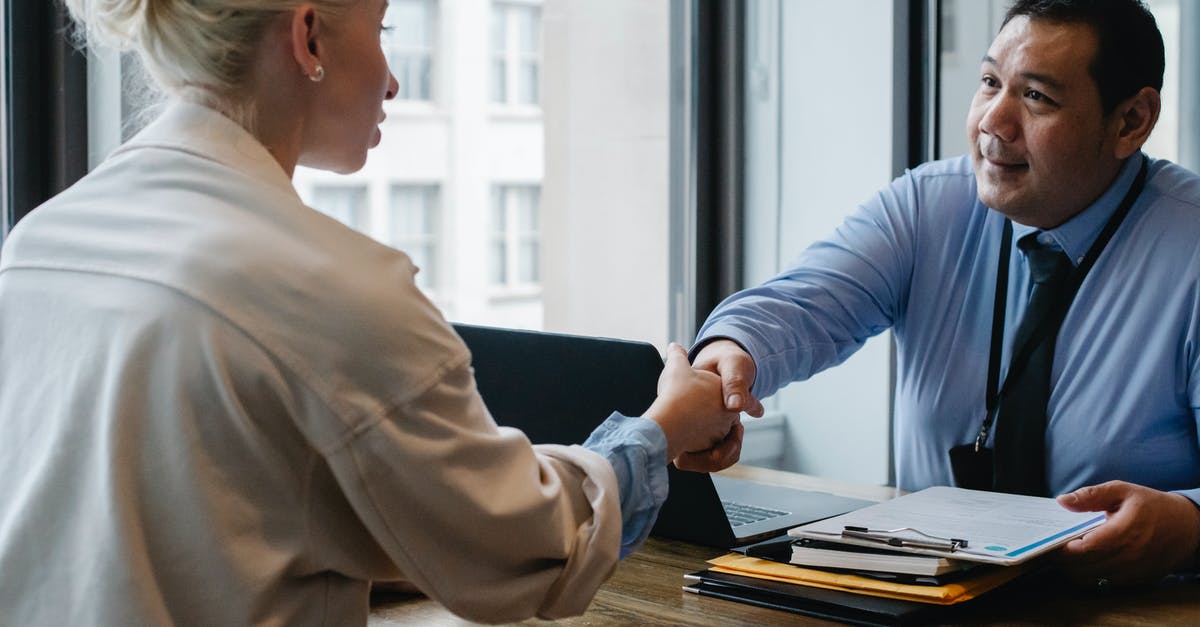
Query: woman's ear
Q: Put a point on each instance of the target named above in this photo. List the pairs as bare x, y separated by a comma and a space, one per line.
1134, 119
305, 32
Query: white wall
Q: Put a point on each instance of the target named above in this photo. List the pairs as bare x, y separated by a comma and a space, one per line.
605, 196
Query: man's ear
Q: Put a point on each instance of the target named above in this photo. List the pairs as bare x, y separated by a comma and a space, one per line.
306, 27
1132, 121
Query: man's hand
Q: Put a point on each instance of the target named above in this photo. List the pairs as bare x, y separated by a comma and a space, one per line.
737, 371
1148, 534
692, 416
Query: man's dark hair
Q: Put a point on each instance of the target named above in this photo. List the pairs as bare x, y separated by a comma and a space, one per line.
1130, 53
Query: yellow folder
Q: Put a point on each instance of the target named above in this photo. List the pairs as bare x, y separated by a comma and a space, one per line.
961, 590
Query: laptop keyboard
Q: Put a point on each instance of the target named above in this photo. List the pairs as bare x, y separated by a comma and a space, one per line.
741, 514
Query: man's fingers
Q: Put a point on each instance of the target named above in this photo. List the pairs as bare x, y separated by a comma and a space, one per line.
735, 385
1105, 497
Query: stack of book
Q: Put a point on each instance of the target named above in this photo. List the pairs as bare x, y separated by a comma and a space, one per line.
904, 561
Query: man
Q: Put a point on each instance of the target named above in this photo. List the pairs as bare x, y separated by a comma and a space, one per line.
1068, 94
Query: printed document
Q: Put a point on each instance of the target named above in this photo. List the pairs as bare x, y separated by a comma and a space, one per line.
972, 525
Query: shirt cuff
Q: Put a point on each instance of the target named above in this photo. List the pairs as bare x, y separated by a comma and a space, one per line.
637, 450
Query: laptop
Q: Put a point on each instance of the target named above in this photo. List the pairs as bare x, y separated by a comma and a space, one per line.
557, 388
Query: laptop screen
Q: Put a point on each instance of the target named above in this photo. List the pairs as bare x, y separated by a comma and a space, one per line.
558, 388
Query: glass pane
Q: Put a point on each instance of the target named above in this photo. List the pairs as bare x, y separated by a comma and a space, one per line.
409, 21
529, 83
499, 26
527, 209
413, 211
529, 32
499, 223
499, 262
529, 262
345, 204
413, 74
499, 80
409, 46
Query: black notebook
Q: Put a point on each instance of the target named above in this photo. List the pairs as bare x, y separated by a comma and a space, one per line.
835, 605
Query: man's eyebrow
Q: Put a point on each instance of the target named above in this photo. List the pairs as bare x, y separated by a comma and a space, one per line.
1045, 79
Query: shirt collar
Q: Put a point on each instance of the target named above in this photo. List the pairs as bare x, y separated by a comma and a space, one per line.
1075, 236
204, 132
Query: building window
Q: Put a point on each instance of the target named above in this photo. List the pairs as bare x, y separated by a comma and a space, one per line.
345, 203
415, 210
516, 236
408, 41
516, 53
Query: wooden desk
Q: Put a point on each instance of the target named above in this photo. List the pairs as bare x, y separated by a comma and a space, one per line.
646, 590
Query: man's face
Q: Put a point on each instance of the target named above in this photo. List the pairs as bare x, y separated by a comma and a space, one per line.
1041, 145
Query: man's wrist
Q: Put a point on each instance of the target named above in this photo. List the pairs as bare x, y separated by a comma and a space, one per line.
700, 345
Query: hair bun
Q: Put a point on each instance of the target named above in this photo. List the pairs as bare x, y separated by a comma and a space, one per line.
111, 23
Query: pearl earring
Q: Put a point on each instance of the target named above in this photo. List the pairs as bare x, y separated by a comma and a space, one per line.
318, 74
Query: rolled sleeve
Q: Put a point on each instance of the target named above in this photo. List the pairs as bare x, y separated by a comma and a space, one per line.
637, 450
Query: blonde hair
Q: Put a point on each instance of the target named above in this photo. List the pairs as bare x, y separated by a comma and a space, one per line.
200, 50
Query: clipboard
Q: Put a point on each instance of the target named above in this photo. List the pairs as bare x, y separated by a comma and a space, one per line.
971, 525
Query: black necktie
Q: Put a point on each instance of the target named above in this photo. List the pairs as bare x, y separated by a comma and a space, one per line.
1020, 461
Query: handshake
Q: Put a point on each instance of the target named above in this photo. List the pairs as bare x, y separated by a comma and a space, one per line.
699, 405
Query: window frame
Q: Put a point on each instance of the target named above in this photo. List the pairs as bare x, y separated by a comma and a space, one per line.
45, 107
428, 53
512, 56
359, 212
429, 278
511, 236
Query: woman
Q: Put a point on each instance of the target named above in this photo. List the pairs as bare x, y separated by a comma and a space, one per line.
221, 407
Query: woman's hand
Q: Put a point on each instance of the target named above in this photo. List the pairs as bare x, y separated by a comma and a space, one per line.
701, 432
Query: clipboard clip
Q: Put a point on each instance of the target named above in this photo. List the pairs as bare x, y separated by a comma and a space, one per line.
889, 537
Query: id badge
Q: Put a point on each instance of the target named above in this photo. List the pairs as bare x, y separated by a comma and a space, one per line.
972, 467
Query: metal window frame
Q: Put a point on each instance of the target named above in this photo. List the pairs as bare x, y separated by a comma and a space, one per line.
707, 157
45, 106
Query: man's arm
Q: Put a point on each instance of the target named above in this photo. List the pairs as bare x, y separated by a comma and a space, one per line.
839, 292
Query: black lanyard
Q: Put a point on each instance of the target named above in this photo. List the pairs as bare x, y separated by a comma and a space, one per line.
1052, 321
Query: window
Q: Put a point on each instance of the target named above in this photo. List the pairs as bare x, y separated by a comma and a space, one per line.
428, 187
409, 46
414, 218
516, 239
516, 53
345, 203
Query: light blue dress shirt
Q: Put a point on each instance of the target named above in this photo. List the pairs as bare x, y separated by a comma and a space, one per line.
637, 450
920, 257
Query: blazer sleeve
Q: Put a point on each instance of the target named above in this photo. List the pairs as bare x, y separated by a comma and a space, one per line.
486, 524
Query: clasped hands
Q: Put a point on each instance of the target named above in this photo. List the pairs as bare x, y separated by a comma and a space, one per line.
699, 406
